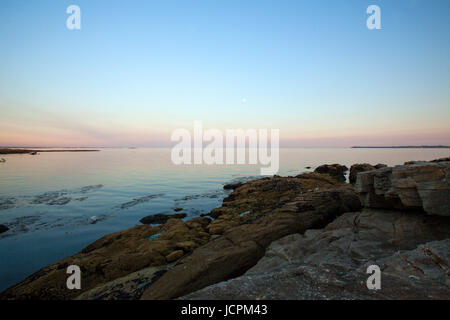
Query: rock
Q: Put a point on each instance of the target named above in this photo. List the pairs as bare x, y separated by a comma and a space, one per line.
331, 263
244, 243
271, 192
423, 185
335, 170
177, 209
380, 165
357, 168
232, 186
175, 255
441, 160
3, 228
93, 220
129, 287
161, 218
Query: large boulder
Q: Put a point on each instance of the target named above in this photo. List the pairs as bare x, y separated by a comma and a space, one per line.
336, 171
420, 185
411, 249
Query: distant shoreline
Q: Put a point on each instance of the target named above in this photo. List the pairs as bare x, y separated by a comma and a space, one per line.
400, 147
27, 151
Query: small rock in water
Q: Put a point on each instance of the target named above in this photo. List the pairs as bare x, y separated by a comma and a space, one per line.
161, 218
177, 209
3, 228
93, 220
232, 186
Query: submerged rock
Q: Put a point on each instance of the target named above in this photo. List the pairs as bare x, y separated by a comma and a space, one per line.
161, 218
3, 228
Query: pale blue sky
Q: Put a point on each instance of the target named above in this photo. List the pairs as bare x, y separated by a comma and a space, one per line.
139, 69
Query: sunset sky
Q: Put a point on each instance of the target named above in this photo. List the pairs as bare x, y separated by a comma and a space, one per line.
137, 70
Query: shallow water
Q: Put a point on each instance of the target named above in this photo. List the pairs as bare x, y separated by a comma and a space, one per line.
48, 200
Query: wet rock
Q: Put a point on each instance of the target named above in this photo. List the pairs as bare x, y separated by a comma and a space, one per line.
161, 218
423, 185
331, 263
59, 201
91, 188
337, 171
137, 201
177, 209
3, 228
7, 203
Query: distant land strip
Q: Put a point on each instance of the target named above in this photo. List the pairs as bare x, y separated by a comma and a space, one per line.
24, 151
400, 147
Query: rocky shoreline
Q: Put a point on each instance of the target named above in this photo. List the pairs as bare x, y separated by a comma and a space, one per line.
310, 236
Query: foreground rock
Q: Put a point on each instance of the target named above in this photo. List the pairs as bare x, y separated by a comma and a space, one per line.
240, 247
421, 185
336, 171
161, 218
412, 250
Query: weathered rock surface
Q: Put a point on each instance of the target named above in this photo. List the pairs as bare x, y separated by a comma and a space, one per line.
337, 171
3, 228
421, 185
270, 193
161, 218
357, 168
241, 246
412, 250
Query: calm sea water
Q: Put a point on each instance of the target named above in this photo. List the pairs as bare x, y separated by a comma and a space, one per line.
48, 200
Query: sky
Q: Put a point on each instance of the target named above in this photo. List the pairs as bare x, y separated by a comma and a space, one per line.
137, 70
